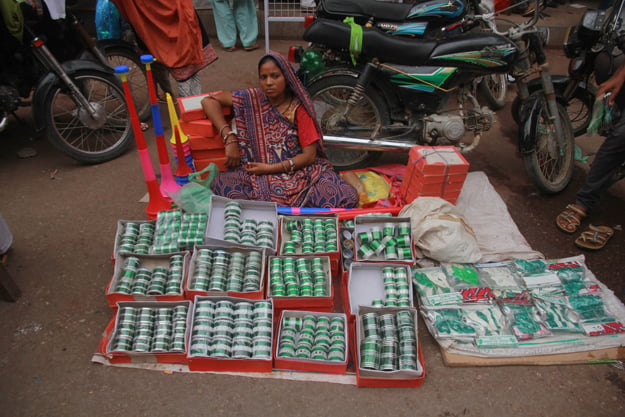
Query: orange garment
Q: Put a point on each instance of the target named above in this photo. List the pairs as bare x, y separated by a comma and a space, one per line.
169, 28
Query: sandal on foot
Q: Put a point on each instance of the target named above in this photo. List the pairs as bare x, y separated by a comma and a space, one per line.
571, 217
594, 238
230, 49
251, 47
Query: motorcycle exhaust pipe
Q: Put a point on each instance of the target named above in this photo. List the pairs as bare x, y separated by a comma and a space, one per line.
367, 144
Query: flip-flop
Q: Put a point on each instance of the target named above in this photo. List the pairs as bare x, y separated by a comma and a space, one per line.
594, 238
230, 49
251, 47
570, 218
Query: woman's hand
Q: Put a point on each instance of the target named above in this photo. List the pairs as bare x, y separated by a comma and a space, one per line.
258, 168
233, 158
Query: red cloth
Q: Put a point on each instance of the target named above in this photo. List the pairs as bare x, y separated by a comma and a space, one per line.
306, 130
169, 28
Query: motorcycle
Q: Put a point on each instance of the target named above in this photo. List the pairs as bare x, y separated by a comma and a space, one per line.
595, 47
433, 19
398, 93
79, 103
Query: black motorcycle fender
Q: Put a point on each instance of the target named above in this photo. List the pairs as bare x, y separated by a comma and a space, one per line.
560, 80
527, 130
50, 80
330, 72
105, 44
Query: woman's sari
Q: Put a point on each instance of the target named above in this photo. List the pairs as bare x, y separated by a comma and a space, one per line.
266, 135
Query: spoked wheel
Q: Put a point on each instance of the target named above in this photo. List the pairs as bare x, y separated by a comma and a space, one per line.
494, 87
137, 78
336, 118
578, 108
550, 166
74, 131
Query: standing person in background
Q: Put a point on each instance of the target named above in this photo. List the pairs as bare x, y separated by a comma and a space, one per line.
241, 18
172, 32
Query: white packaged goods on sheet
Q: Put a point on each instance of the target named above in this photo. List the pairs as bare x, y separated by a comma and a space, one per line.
477, 310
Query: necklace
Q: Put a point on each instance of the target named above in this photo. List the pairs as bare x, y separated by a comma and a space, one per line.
282, 108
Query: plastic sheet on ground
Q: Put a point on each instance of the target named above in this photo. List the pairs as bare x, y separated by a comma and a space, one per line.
276, 374
484, 210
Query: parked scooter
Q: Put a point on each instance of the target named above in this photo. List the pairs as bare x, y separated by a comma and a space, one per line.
79, 104
433, 19
404, 92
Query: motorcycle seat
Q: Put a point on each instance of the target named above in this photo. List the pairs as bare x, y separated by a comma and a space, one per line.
375, 43
384, 10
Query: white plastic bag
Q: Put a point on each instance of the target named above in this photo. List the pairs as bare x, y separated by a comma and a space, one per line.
440, 231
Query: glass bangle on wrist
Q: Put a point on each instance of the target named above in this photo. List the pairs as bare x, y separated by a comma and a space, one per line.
232, 132
221, 131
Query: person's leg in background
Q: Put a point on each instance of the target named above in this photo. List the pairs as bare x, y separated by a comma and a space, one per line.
247, 23
609, 157
225, 23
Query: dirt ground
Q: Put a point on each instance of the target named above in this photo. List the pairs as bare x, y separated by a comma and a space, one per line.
63, 217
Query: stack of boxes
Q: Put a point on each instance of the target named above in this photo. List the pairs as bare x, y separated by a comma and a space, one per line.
434, 171
281, 301
204, 140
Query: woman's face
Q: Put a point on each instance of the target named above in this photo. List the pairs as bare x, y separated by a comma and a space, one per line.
272, 81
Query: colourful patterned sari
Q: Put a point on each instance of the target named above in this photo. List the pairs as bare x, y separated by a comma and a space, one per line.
266, 135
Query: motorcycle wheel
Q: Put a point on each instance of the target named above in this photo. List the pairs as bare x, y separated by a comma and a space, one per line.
330, 97
72, 130
137, 77
578, 108
494, 88
549, 167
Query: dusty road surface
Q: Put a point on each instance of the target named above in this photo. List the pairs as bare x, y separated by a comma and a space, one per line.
63, 216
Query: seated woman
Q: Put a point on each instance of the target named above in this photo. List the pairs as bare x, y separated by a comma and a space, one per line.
276, 152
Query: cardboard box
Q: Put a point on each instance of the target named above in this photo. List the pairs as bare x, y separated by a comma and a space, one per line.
206, 363
366, 284
191, 292
191, 107
211, 154
108, 343
316, 303
286, 236
121, 227
254, 210
205, 142
377, 378
366, 224
310, 365
149, 262
199, 127
200, 164
435, 171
